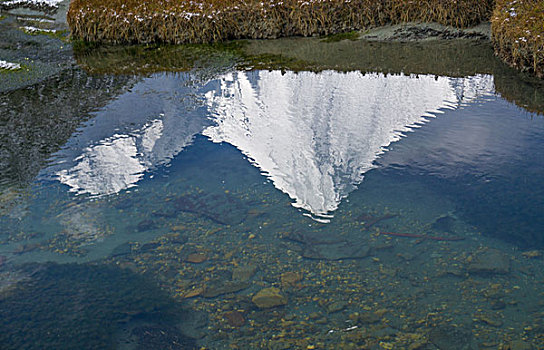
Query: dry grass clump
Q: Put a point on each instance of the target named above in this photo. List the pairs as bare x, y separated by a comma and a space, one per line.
457, 13
201, 21
518, 34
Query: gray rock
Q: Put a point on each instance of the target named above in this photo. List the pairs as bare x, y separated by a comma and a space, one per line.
491, 261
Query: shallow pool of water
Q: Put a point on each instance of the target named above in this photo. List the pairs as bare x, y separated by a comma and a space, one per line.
224, 208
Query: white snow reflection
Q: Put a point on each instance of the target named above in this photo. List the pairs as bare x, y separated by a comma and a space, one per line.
313, 134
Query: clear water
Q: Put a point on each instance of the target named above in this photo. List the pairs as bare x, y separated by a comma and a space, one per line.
389, 211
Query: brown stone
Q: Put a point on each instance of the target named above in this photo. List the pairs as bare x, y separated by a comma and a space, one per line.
493, 320
218, 288
196, 258
234, 318
290, 278
243, 273
193, 292
269, 297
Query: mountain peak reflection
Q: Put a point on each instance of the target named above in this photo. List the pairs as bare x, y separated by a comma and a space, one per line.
314, 135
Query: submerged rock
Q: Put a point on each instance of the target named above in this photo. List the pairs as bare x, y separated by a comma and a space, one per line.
445, 224
220, 288
243, 273
268, 298
491, 261
234, 318
335, 251
446, 337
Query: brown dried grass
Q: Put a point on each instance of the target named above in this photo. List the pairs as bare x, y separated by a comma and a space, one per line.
203, 21
518, 34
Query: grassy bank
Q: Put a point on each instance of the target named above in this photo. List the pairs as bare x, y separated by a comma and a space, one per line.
202, 21
518, 34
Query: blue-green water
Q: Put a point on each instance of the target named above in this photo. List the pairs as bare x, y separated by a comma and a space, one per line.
222, 208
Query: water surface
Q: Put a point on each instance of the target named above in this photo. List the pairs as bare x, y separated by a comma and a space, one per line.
388, 210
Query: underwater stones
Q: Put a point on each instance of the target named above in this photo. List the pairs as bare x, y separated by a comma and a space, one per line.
161, 337
532, 254
446, 337
368, 317
243, 273
269, 297
196, 258
490, 319
497, 305
336, 306
222, 208
335, 251
445, 223
194, 325
491, 261
518, 345
219, 288
290, 278
234, 318
193, 293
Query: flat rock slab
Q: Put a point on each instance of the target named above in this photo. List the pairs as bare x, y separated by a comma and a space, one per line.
491, 261
219, 288
269, 297
335, 251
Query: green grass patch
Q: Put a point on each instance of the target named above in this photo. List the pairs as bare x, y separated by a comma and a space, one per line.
62, 35
353, 35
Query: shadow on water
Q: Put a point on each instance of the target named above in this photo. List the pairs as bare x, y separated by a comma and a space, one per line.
73, 306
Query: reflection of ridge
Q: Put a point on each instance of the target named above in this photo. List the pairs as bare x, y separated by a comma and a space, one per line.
315, 135
141, 130
36, 122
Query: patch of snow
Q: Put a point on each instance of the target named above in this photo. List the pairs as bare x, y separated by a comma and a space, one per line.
9, 66
47, 3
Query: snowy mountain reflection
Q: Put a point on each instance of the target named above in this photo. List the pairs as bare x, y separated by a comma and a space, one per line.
314, 135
